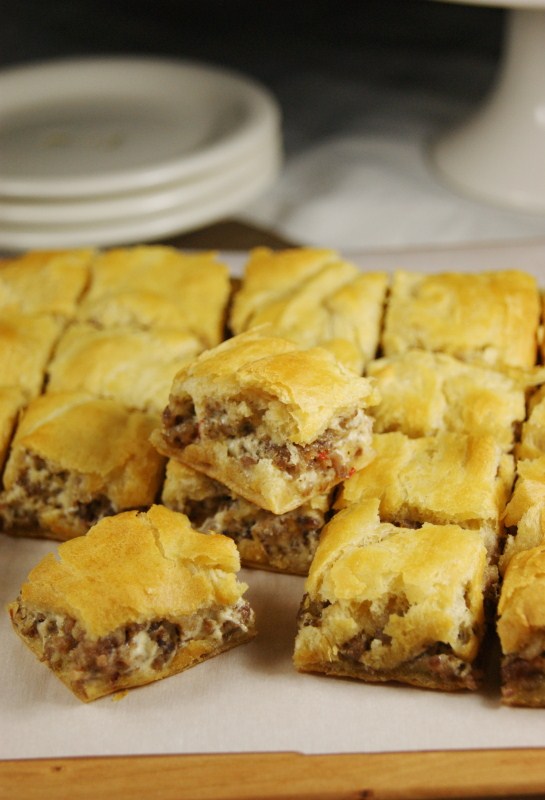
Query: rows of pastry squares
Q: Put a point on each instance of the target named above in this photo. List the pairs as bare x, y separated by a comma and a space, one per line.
76, 457
411, 511
315, 296
147, 310
115, 323
110, 380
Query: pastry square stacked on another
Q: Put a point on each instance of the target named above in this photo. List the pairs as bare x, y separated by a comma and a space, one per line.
314, 297
383, 602
276, 423
141, 597
259, 430
75, 458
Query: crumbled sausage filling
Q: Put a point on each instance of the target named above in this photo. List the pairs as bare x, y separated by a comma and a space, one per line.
247, 438
435, 665
287, 541
145, 647
40, 488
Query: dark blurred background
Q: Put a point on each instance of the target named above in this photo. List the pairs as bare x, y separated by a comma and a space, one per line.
448, 47
364, 86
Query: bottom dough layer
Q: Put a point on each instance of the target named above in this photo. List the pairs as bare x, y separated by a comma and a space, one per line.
133, 655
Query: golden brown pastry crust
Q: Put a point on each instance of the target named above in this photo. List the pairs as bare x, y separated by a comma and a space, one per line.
133, 572
276, 423
26, 344
133, 366
73, 457
279, 542
45, 282
489, 317
386, 603
155, 286
521, 629
447, 478
314, 297
423, 393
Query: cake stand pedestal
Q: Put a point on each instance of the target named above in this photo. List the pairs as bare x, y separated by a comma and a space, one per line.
498, 155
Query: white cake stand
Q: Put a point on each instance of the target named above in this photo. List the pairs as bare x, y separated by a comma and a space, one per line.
498, 155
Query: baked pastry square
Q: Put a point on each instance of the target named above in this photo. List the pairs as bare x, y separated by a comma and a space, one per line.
276, 423
386, 603
74, 459
155, 286
131, 365
447, 478
521, 629
314, 297
423, 393
45, 282
280, 542
490, 317
26, 344
141, 597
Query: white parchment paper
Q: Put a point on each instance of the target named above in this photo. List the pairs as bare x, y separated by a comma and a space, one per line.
251, 698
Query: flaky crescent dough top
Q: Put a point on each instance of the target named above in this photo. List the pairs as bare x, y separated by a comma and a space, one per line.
83, 433
45, 282
134, 567
305, 389
151, 286
490, 317
314, 297
522, 607
363, 563
444, 478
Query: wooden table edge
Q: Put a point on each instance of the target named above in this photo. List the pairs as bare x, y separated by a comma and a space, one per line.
498, 773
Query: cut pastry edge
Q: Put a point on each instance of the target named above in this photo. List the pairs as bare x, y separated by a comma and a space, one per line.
103, 666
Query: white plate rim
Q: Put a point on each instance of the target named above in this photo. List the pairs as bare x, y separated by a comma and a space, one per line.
125, 232
263, 117
137, 204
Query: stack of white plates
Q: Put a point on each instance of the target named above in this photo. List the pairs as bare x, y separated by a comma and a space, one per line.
116, 151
